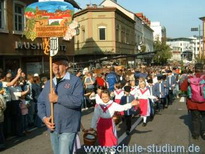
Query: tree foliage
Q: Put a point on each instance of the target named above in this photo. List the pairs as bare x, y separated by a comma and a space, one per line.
163, 52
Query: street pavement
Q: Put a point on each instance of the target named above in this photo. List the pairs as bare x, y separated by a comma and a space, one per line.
168, 133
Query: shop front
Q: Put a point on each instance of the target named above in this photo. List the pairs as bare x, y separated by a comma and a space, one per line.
30, 56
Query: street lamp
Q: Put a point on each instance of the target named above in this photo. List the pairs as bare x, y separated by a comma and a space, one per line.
199, 30
203, 23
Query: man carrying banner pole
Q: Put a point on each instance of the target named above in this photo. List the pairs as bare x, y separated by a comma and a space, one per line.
67, 97
59, 104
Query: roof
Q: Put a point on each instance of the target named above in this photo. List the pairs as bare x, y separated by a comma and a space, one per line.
101, 9
143, 17
202, 18
117, 4
180, 39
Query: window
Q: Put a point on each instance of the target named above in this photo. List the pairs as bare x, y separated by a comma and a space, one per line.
3, 26
117, 33
18, 17
102, 32
127, 39
83, 35
123, 35
1, 15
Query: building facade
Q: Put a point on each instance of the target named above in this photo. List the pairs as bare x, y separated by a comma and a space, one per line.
187, 47
109, 30
143, 32
146, 43
159, 33
104, 31
15, 50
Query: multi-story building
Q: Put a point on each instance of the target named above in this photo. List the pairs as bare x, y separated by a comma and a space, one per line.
104, 31
196, 45
147, 32
15, 50
111, 30
143, 32
159, 33
184, 46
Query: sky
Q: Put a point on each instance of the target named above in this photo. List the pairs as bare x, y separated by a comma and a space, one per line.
177, 16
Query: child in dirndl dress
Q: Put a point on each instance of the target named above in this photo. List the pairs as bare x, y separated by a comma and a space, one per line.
96, 96
103, 122
118, 92
143, 95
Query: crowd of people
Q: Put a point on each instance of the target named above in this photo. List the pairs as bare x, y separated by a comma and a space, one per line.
154, 87
18, 103
112, 91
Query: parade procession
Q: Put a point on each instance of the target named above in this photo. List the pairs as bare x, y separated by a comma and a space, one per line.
98, 79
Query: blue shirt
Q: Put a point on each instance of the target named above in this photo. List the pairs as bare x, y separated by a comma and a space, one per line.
111, 78
67, 111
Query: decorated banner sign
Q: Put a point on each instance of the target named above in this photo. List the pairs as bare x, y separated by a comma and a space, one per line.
49, 19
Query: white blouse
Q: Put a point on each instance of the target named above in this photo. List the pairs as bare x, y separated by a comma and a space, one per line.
145, 95
98, 112
134, 90
118, 93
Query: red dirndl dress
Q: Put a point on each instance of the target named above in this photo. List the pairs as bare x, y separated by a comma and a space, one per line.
106, 131
144, 105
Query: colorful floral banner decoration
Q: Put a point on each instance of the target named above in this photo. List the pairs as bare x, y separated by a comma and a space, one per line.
50, 19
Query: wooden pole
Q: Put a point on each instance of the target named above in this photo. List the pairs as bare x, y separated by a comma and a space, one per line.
51, 87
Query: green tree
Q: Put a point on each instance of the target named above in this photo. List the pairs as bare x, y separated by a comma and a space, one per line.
163, 52
200, 58
143, 48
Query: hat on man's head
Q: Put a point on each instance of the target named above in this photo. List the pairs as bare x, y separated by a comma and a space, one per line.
198, 66
168, 71
149, 81
36, 75
59, 58
127, 88
159, 77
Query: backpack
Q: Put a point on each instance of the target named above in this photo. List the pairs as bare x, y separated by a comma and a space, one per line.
196, 89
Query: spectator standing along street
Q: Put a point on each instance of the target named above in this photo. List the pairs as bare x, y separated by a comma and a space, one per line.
111, 79
36, 90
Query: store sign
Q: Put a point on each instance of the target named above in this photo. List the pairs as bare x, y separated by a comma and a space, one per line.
34, 46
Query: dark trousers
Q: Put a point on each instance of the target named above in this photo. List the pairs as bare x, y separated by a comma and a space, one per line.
170, 97
2, 139
12, 119
198, 122
151, 107
7, 120
24, 121
162, 102
16, 119
128, 121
